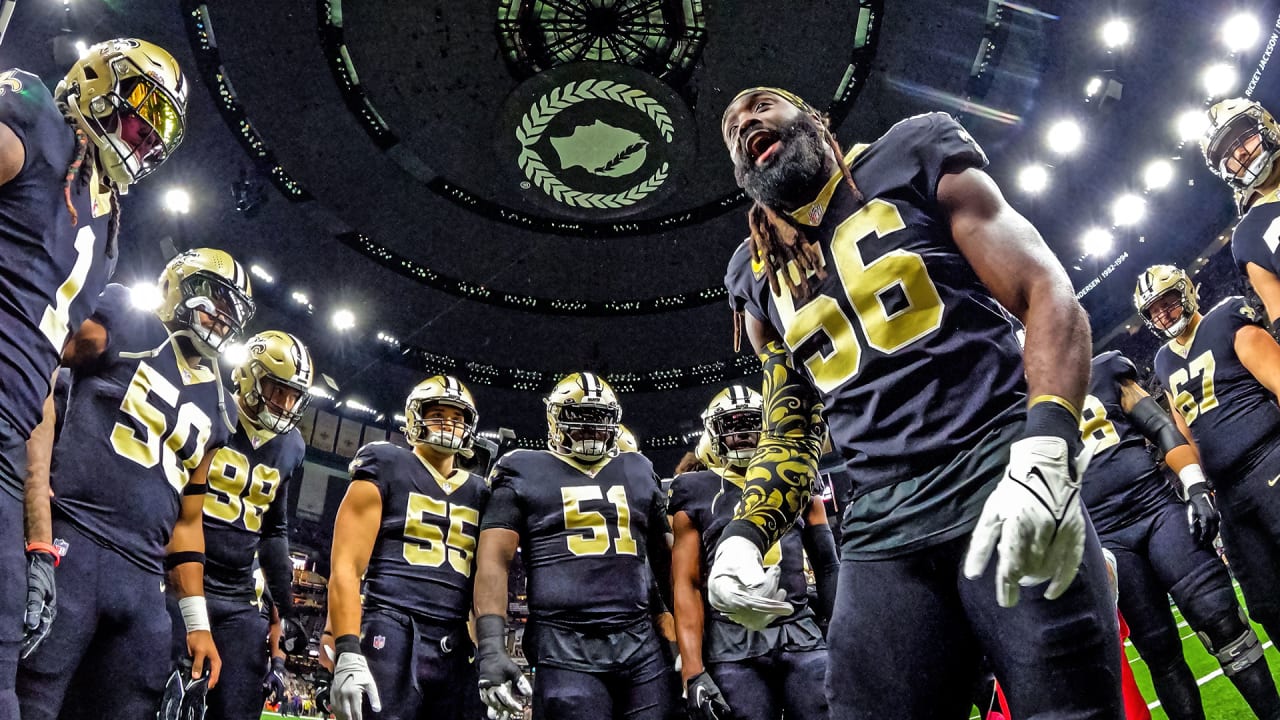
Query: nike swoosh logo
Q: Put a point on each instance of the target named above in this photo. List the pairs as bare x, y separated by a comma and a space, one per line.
1272, 482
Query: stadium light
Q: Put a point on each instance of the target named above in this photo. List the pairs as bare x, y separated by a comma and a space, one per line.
235, 354
261, 274
1192, 124
1097, 241
1241, 32
1128, 209
1092, 87
1033, 178
82, 49
1219, 79
145, 296
177, 201
1064, 137
1157, 174
1116, 33
343, 319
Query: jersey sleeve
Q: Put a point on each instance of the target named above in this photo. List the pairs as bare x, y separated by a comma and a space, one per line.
1256, 239
941, 145
114, 311
505, 510
22, 98
1119, 367
371, 463
744, 289
1239, 314
680, 494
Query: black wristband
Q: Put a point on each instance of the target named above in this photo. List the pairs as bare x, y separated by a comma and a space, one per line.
1053, 420
173, 560
489, 627
347, 644
193, 489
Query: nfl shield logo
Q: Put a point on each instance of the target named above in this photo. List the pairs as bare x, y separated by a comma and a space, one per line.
815, 214
379, 641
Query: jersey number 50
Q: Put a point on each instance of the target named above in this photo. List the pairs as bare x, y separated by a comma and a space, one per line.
150, 440
865, 284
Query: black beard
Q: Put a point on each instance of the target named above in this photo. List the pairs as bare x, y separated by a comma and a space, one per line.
788, 180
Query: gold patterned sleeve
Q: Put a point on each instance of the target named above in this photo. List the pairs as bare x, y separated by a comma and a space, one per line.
779, 480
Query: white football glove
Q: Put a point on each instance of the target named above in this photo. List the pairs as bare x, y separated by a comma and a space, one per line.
1034, 514
351, 683
740, 587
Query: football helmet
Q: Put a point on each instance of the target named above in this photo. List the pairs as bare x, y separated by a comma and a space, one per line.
584, 405
1157, 281
440, 390
1232, 123
735, 410
209, 281
130, 98
275, 361
627, 440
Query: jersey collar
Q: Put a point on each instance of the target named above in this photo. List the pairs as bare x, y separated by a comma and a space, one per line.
1182, 350
813, 213
589, 470
449, 483
731, 475
191, 374
1273, 196
257, 436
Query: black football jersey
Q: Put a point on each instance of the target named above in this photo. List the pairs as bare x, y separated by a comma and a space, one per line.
423, 560
584, 537
1233, 418
1122, 482
709, 500
139, 421
915, 361
53, 271
1256, 238
247, 500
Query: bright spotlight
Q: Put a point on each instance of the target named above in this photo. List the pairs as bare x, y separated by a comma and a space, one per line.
1219, 79
1093, 86
1033, 178
177, 201
1241, 32
145, 296
1157, 174
1128, 209
260, 273
301, 298
1064, 137
343, 319
1115, 33
1096, 241
1192, 124
235, 354
82, 49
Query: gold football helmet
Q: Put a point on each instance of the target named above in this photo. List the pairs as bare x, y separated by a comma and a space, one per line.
130, 98
582, 418
627, 440
440, 390
733, 418
1232, 124
209, 281
1157, 281
277, 369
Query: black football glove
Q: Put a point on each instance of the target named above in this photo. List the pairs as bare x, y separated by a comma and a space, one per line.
1202, 514
41, 600
273, 681
503, 687
323, 682
704, 699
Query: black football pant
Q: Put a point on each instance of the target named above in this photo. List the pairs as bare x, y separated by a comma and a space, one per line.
108, 654
240, 633
909, 635
13, 564
762, 688
1156, 557
424, 669
639, 690
1250, 529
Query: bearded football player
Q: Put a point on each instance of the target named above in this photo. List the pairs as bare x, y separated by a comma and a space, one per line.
146, 412
1164, 547
1221, 371
730, 670
408, 526
874, 286
591, 525
65, 159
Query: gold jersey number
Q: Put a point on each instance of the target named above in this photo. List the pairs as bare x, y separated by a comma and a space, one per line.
153, 441
590, 530
867, 285
436, 532
236, 491
1096, 430
1183, 399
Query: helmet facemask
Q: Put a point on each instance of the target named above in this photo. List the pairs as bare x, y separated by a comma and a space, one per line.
1243, 171
1188, 310
585, 431
735, 434
228, 310
445, 435
138, 123
264, 402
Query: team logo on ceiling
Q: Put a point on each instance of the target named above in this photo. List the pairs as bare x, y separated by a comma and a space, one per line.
597, 139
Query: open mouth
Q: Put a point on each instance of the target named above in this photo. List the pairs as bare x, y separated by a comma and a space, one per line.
761, 144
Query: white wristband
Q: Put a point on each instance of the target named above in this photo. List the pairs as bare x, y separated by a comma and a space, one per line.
195, 614
1191, 475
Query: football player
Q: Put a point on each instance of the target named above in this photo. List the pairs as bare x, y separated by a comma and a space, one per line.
591, 525
877, 280
246, 514
409, 525
146, 412
1221, 371
65, 158
1240, 146
731, 671
1145, 526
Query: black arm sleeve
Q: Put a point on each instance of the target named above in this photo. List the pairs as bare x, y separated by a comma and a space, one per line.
273, 556
659, 551
1156, 424
503, 510
820, 546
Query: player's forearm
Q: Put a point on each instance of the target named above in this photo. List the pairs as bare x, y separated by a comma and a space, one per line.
1058, 344
491, 589
274, 633
820, 546
690, 623
39, 526
344, 600
273, 555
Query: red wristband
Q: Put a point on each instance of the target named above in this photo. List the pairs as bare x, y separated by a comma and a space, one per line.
48, 548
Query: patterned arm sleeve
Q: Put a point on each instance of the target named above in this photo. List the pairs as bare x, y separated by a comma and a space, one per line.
779, 480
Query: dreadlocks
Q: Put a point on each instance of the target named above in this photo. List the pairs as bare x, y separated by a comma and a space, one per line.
74, 171
780, 246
